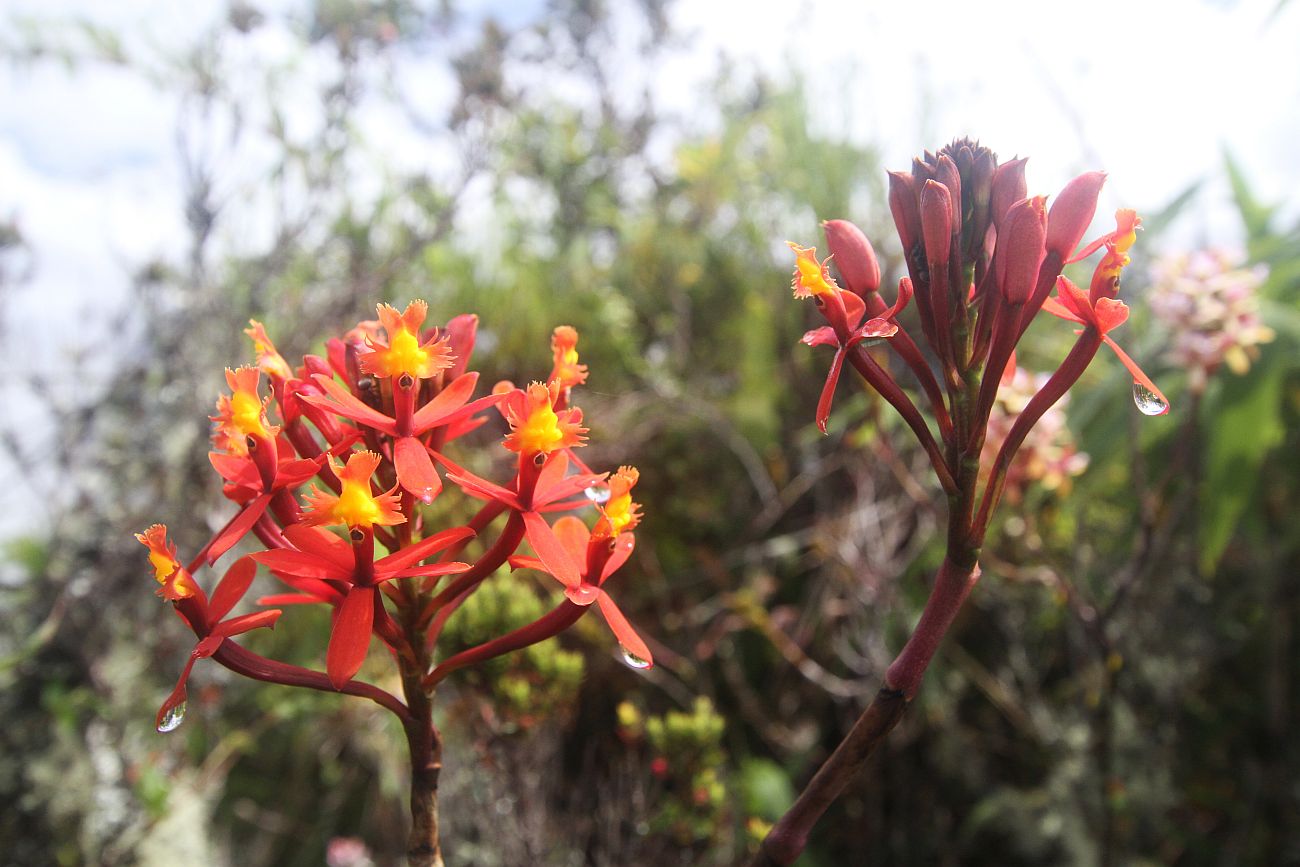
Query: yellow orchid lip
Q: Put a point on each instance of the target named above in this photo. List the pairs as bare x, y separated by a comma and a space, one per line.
535, 426
811, 277
354, 506
404, 354
564, 347
242, 413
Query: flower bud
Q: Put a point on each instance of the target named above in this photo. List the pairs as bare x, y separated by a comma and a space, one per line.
902, 204
1020, 249
946, 173
936, 223
1008, 188
851, 251
1072, 212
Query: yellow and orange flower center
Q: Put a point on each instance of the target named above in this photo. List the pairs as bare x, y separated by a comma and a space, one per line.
246, 413
810, 276
268, 359
537, 428
564, 345
354, 505
242, 413
541, 432
1105, 279
404, 355
176, 582
619, 513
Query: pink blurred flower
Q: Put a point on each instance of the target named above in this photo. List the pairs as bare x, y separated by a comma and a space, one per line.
1048, 456
1210, 305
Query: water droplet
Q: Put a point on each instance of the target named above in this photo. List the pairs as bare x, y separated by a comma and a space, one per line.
597, 492
1148, 401
172, 718
583, 594
634, 661
426, 496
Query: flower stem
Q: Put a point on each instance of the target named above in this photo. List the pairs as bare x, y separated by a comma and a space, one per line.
788, 837
786, 841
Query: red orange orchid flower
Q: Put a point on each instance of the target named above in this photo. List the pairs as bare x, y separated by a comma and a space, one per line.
206, 617
582, 562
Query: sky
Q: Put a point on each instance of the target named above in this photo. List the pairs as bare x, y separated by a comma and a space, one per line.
1152, 91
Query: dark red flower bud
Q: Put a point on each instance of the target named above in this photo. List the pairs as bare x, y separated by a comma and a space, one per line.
907, 217
852, 253
936, 224
946, 173
1020, 249
1072, 212
1008, 188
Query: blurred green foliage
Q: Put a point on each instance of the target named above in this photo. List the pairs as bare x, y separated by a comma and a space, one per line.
1121, 689
530, 687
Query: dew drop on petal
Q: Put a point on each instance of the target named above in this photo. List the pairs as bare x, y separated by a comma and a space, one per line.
634, 661
426, 496
597, 492
1148, 401
172, 718
583, 594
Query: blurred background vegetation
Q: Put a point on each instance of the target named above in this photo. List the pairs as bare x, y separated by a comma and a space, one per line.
1121, 689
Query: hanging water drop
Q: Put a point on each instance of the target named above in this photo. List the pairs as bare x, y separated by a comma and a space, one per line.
172, 718
426, 496
1148, 401
634, 661
597, 492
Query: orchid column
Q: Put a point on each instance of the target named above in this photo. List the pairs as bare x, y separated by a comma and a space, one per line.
983, 259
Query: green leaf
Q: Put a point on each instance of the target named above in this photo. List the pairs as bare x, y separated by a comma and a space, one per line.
1245, 424
1255, 215
765, 789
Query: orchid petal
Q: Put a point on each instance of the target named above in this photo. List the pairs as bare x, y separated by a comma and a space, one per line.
550, 549
238, 527
854, 308
423, 548
622, 629
445, 403
290, 599
232, 587
350, 638
321, 543
429, 571
303, 565
574, 536
415, 470
1138, 376
342, 402
824, 336
523, 561
623, 548
828, 390
247, 622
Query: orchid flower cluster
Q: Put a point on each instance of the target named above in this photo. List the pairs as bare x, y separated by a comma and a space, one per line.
333, 461
1209, 303
983, 259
